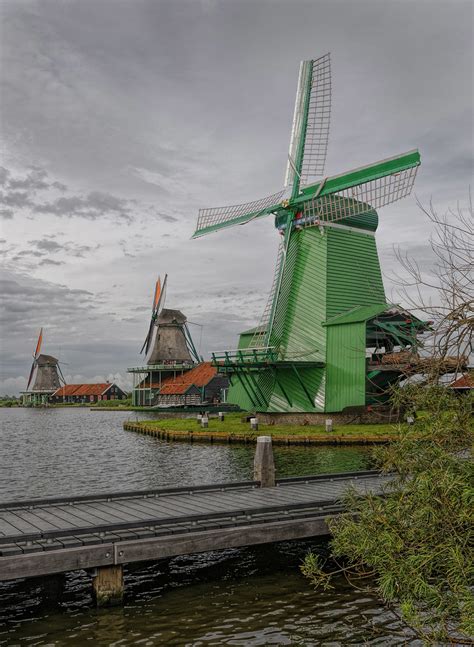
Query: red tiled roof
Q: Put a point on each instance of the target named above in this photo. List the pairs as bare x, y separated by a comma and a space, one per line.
463, 382
82, 389
174, 389
198, 376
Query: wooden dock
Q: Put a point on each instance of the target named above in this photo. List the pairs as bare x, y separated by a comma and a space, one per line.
102, 533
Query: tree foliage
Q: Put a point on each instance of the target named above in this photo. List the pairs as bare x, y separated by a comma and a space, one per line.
414, 546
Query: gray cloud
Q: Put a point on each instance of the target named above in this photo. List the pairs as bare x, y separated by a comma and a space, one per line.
50, 246
49, 261
138, 119
72, 319
18, 199
4, 175
72, 249
22, 192
92, 206
35, 180
26, 253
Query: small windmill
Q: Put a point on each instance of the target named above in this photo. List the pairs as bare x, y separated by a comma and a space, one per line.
48, 374
158, 302
168, 335
327, 266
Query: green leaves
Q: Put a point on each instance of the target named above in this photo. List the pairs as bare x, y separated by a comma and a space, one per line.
418, 539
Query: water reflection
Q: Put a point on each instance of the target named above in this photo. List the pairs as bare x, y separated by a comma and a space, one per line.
237, 597
51, 452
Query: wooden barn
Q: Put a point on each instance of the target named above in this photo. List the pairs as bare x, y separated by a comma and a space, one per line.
201, 385
88, 393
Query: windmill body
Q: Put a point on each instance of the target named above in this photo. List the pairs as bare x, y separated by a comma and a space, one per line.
327, 327
170, 339
45, 376
168, 347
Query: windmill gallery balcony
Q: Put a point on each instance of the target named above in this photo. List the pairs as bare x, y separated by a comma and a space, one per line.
253, 358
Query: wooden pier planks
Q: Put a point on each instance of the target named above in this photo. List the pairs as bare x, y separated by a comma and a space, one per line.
59, 535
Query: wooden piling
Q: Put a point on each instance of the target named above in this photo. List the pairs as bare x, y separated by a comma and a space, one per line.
264, 465
107, 586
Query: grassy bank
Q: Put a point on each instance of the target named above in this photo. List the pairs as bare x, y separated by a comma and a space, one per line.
232, 429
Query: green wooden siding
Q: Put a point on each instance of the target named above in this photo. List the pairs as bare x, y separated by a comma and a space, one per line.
353, 271
303, 311
326, 274
312, 377
345, 378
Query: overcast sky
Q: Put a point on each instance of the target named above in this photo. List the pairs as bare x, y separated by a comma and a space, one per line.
121, 118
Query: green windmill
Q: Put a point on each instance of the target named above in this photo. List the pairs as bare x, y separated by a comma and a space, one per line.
328, 340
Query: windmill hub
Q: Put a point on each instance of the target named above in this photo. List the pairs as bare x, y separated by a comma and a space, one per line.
327, 326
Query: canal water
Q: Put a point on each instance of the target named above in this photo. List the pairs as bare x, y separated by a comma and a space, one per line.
253, 596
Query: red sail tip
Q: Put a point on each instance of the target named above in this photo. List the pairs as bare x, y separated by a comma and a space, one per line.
38, 345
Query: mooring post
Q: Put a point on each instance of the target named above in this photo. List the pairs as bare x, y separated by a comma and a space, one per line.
107, 586
264, 465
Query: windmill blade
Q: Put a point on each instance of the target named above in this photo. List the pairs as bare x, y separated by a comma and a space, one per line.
310, 130
146, 343
156, 296
161, 300
158, 301
39, 344
33, 366
210, 220
262, 331
349, 195
61, 374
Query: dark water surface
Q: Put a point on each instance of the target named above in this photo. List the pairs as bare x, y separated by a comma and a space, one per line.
252, 596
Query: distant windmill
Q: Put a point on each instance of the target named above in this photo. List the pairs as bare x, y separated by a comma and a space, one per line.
158, 302
168, 347
48, 375
298, 359
168, 334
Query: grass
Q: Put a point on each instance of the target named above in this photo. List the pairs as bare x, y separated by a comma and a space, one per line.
233, 425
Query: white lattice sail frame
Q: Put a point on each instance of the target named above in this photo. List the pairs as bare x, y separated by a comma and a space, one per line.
360, 198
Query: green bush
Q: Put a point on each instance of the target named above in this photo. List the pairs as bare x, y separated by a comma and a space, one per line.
127, 402
415, 545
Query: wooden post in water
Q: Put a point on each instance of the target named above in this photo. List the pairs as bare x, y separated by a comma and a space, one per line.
264, 465
107, 586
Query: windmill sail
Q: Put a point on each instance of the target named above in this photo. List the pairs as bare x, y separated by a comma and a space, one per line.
158, 301
35, 357
356, 199
310, 130
32, 370
39, 343
210, 220
308, 148
261, 335
157, 295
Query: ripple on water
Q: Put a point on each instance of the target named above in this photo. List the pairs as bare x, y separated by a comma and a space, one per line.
235, 597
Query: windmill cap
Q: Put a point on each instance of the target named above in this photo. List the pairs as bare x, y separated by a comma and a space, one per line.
168, 316
46, 360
